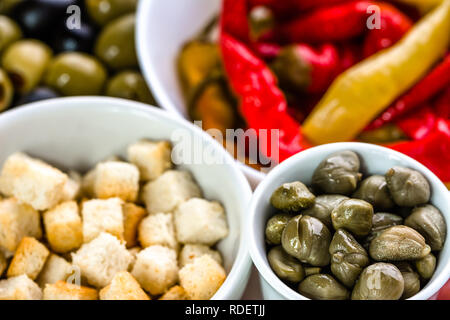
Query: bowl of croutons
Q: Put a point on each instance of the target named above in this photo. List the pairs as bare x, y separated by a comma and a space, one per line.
102, 198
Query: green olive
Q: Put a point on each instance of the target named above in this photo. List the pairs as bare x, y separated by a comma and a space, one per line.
379, 281
323, 206
292, 197
353, 215
410, 278
398, 243
275, 227
407, 187
380, 222
338, 174
285, 266
116, 46
348, 257
307, 239
25, 62
7, 5
375, 191
426, 266
129, 85
6, 91
323, 287
309, 271
103, 11
74, 73
9, 32
430, 223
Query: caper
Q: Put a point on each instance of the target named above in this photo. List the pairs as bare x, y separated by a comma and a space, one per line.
348, 257
353, 215
426, 266
103, 11
129, 85
380, 222
411, 280
7, 5
309, 271
379, 281
292, 197
398, 243
430, 223
338, 173
9, 32
323, 287
375, 191
6, 91
407, 187
285, 266
275, 227
307, 239
323, 206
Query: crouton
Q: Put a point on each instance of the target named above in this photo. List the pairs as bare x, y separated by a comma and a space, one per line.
175, 293
63, 227
55, 269
102, 216
62, 290
17, 221
132, 216
72, 188
133, 251
169, 190
32, 181
159, 229
100, 259
152, 158
87, 183
192, 251
116, 179
29, 258
200, 221
19, 288
3, 263
202, 278
156, 269
123, 287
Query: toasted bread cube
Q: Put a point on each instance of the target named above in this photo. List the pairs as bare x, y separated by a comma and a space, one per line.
87, 183
102, 216
116, 179
156, 269
100, 259
29, 258
202, 278
175, 293
152, 158
3, 263
62, 290
132, 215
55, 269
72, 188
19, 288
200, 221
192, 251
17, 221
63, 227
159, 229
32, 181
123, 287
169, 190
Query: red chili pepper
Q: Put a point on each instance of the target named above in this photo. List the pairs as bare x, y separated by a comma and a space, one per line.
289, 7
420, 124
350, 54
234, 19
442, 104
266, 50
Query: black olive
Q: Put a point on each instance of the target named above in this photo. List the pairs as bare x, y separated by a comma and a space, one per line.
81, 39
38, 94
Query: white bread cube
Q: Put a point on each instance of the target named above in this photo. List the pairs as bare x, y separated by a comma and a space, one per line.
3, 263
156, 269
134, 252
132, 217
102, 216
152, 158
200, 221
72, 188
17, 221
159, 229
32, 181
123, 287
29, 259
100, 259
19, 288
202, 278
169, 190
192, 251
62, 290
116, 179
55, 269
175, 293
63, 227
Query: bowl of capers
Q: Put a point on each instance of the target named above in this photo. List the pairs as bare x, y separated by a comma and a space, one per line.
350, 221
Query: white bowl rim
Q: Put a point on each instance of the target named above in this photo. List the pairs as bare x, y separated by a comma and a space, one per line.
264, 269
242, 264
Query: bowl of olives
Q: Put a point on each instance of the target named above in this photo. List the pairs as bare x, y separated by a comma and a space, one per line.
350, 221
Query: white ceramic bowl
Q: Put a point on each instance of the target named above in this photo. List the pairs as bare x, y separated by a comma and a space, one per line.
78, 132
375, 160
163, 27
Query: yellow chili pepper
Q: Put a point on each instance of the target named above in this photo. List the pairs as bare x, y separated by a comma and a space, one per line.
357, 96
